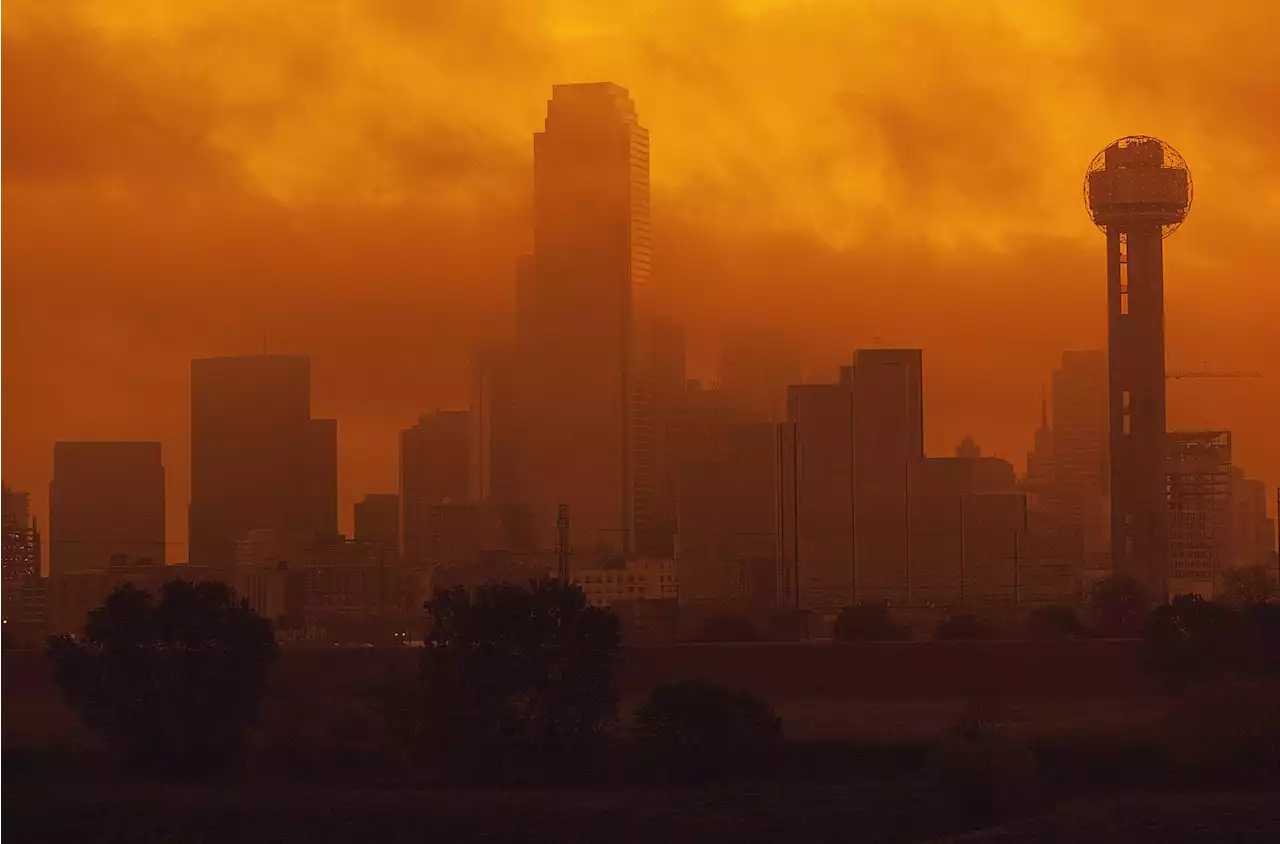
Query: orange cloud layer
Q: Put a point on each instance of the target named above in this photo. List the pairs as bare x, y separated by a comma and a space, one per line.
352, 179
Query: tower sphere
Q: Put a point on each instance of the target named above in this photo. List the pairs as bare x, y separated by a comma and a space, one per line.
1138, 181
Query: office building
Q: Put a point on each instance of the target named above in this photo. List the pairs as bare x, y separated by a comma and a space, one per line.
106, 506
377, 520
994, 547
1252, 532
1081, 465
322, 480
1199, 510
495, 425
888, 412
670, 386
258, 459
939, 514
464, 534
21, 538
434, 469
728, 532
586, 323
817, 505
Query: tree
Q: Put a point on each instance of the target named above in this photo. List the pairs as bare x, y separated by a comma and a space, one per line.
701, 727
1190, 640
516, 669
869, 623
1118, 606
173, 685
1247, 585
1053, 622
963, 626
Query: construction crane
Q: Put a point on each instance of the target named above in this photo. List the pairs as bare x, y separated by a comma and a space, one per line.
1204, 373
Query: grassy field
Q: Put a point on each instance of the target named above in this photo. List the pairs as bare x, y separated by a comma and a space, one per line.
867, 814
390, 817
1159, 819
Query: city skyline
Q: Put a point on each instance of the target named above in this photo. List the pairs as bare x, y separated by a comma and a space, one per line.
837, 299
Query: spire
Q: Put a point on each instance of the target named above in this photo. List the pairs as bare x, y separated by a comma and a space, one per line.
1044, 408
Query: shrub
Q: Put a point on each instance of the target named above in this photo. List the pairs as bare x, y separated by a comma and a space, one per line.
703, 727
173, 686
1118, 606
869, 623
1190, 640
512, 672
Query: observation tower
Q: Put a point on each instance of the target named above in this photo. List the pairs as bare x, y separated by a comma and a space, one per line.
1138, 191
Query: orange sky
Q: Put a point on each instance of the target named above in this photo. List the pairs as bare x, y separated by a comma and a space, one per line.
353, 179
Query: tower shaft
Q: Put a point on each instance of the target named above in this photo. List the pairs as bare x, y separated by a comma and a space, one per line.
1135, 322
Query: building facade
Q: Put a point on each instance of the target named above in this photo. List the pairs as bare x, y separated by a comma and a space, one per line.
434, 469
258, 459
888, 412
728, 525
587, 380
106, 502
1199, 490
1080, 494
816, 499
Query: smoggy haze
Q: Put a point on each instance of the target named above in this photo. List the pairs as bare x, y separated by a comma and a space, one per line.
354, 179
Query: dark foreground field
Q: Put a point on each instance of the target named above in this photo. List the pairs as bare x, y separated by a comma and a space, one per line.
775, 814
823, 690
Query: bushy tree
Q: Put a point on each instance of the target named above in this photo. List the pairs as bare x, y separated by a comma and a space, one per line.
869, 623
1190, 640
1248, 585
1118, 606
701, 727
963, 626
173, 685
511, 669
1053, 622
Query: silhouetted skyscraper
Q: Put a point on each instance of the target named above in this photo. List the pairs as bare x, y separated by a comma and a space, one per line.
1039, 479
817, 507
21, 539
377, 520
1252, 532
322, 481
1199, 510
939, 513
728, 520
1080, 462
670, 387
495, 425
257, 461
888, 411
106, 505
434, 469
586, 322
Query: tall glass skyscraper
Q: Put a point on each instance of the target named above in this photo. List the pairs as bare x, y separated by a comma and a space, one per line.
585, 324
258, 459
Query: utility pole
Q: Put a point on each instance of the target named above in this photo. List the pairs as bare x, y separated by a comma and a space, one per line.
562, 542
